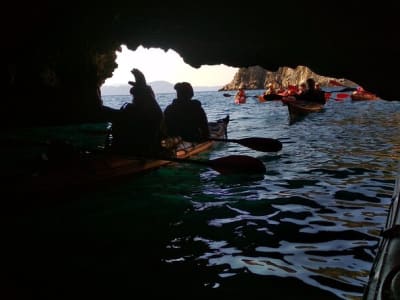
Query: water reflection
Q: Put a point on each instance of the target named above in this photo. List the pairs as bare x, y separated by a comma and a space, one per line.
307, 228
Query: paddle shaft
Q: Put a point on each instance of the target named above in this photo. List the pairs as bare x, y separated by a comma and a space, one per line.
224, 165
246, 96
255, 143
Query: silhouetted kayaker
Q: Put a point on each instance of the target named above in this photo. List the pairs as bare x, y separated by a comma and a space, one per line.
185, 117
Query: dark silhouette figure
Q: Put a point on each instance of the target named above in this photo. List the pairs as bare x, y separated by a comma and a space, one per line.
136, 127
185, 117
311, 93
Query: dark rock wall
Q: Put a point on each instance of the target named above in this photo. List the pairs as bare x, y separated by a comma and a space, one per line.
55, 54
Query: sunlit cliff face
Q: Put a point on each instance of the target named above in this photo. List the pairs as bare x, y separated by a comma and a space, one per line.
56, 55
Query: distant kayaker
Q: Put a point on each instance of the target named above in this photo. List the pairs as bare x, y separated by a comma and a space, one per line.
271, 94
270, 89
311, 94
240, 96
185, 117
136, 126
302, 89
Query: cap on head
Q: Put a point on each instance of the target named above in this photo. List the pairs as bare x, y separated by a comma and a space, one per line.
184, 90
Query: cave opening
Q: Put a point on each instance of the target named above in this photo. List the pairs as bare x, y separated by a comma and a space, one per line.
162, 70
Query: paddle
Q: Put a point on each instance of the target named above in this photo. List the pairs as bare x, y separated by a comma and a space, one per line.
347, 89
228, 164
339, 96
224, 165
255, 143
229, 95
342, 95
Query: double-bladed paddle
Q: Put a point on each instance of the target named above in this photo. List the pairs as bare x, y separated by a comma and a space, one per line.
228, 164
230, 95
255, 143
225, 165
337, 97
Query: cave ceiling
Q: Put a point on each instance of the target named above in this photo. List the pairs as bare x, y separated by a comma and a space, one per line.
352, 39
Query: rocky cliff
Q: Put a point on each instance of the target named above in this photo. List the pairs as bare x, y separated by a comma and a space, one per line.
256, 77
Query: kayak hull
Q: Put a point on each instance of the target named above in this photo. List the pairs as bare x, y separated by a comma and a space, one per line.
363, 96
299, 109
384, 277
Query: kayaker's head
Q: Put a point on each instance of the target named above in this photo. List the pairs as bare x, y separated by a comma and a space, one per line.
310, 84
184, 90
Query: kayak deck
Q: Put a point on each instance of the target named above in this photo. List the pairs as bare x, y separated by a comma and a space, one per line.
101, 167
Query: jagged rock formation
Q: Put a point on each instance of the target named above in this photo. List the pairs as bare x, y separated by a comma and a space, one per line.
55, 54
249, 78
258, 78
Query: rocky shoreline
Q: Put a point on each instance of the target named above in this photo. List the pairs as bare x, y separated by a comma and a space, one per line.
256, 77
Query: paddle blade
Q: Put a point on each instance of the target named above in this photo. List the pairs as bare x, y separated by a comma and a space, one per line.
327, 96
342, 95
237, 164
261, 144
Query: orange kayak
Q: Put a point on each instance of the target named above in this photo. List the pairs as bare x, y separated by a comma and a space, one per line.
240, 100
360, 96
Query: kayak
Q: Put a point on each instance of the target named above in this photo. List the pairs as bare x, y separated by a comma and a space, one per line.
360, 96
97, 167
240, 100
269, 97
299, 109
384, 277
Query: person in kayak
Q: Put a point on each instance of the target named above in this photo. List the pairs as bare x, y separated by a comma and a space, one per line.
311, 94
270, 89
136, 126
185, 117
302, 89
240, 96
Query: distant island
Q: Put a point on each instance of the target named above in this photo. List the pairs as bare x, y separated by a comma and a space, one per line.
159, 87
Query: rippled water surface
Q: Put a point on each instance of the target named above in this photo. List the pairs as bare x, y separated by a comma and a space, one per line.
307, 229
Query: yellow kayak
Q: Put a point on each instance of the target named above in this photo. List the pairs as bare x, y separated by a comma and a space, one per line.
299, 109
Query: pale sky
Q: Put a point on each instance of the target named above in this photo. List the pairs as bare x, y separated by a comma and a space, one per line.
156, 64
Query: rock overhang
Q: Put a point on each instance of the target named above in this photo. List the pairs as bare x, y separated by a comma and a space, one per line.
61, 54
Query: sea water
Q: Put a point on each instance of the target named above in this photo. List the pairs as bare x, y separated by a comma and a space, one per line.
308, 228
